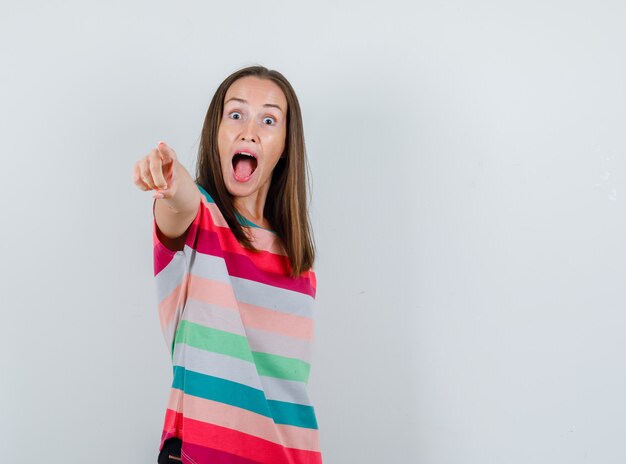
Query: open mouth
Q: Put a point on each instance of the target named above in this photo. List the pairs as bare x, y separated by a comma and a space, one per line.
244, 164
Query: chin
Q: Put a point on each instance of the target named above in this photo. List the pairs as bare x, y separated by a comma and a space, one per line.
241, 190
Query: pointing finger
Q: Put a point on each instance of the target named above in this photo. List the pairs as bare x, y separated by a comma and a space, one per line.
156, 170
166, 152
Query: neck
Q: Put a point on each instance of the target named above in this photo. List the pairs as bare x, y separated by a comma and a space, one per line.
252, 206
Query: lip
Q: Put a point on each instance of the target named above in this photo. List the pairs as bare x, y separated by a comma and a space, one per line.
244, 150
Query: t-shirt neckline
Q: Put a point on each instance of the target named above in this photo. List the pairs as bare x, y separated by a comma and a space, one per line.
244, 221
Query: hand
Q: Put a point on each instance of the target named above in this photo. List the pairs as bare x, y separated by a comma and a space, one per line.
157, 171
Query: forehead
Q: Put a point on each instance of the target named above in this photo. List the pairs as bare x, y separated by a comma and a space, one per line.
257, 92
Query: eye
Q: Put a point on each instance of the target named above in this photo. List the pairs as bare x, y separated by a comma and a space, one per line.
270, 118
236, 112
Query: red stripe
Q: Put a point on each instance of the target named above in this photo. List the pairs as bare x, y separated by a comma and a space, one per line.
201, 454
270, 262
240, 266
208, 238
209, 455
261, 267
265, 260
201, 441
221, 238
162, 255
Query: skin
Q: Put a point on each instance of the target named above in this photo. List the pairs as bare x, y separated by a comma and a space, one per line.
246, 125
257, 128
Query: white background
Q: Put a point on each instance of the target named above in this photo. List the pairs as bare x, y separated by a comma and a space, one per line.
469, 183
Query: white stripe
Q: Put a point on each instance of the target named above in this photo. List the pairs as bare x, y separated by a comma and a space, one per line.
237, 370
212, 316
170, 276
281, 345
268, 296
216, 364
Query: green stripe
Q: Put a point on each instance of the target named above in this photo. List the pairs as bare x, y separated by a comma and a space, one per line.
214, 340
281, 367
218, 341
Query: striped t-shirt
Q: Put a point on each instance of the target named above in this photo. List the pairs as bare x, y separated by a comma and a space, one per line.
240, 334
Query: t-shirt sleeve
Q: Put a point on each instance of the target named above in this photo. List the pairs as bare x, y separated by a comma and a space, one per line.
171, 274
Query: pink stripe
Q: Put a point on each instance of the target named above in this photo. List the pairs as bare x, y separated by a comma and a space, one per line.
263, 239
168, 307
213, 437
220, 241
245, 421
240, 265
275, 321
220, 294
212, 292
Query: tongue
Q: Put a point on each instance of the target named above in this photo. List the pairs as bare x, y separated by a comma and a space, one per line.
243, 167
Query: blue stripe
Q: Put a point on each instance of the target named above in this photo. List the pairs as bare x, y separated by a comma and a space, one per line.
208, 197
301, 415
243, 396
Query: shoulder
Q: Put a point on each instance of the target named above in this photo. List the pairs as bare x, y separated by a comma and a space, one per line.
214, 213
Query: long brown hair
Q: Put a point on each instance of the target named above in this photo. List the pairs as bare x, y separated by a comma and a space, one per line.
286, 206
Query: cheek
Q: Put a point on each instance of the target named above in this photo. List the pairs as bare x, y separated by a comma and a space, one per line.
278, 138
220, 133
222, 144
281, 143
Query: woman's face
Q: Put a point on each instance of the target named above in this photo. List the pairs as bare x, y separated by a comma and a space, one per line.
254, 122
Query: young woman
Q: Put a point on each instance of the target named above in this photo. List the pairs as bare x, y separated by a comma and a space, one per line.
233, 264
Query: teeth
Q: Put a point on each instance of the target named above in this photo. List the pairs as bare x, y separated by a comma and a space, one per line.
244, 153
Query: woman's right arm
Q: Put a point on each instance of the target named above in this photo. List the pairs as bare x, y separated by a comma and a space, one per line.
177, 198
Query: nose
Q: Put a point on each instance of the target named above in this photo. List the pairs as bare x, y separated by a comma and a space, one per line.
247, 132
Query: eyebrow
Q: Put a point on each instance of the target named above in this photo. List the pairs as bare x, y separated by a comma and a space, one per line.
241, 100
